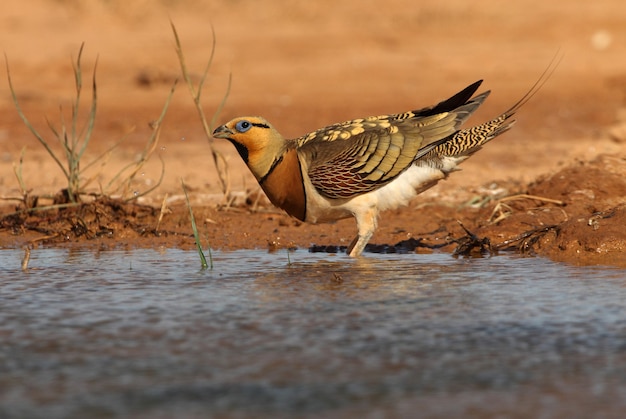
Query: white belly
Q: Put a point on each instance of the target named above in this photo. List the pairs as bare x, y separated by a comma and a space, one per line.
394, 194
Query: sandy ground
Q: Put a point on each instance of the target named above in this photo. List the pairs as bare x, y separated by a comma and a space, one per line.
303, 65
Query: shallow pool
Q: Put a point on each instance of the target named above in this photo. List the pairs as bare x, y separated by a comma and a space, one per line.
148, 334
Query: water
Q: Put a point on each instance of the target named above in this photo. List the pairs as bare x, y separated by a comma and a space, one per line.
148, 334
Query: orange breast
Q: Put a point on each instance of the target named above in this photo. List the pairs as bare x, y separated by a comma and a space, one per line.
284, 187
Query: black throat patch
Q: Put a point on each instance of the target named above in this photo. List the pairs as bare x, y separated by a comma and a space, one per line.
241, 149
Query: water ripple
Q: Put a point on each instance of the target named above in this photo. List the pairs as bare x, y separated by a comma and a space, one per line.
149, 334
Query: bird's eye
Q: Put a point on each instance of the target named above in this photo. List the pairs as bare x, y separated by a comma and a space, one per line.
243, 126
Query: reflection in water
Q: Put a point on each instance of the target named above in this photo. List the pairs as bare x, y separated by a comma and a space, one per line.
149, 334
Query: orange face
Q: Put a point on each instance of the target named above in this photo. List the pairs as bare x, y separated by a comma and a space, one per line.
257, 142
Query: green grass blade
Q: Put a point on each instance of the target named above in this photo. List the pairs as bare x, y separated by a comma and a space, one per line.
196, 236
91, 119
78, 81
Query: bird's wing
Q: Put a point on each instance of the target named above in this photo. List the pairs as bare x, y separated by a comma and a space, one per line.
355, 157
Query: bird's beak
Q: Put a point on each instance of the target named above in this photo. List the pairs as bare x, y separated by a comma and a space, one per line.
222, 132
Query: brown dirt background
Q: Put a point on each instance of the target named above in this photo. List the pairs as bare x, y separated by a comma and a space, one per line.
304, 65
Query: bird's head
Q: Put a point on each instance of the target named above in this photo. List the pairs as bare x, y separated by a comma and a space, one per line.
258, 143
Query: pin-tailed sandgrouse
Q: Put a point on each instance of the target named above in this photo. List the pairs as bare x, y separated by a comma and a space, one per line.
361, 167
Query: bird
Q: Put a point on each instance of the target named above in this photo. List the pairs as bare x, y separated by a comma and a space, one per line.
362, 167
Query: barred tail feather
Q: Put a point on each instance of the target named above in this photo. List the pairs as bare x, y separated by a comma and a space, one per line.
455, 148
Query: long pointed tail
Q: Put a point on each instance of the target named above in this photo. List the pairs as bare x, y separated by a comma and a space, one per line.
466, 142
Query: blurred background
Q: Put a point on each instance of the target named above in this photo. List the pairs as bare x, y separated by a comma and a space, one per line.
304, 65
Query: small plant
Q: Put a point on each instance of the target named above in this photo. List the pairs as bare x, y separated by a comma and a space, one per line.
74, 140
221, 165
219, 161
121, 183
196, 235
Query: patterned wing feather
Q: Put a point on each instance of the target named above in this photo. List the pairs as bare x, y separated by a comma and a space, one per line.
351, 159
361, 155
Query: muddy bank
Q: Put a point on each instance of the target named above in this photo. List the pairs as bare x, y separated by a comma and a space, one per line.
587, 226
576, 215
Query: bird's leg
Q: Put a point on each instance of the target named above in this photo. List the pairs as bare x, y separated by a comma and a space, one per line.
366, 223
351, 246
358, 244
